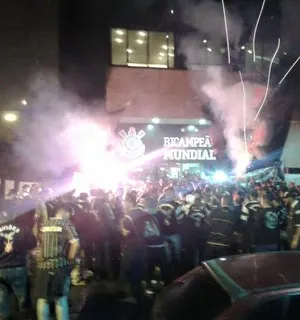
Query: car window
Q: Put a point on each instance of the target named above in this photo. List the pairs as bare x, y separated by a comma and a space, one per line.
293, 308
196, 295
267, 310
280, 308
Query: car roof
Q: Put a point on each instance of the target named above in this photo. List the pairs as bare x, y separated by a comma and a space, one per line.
241, 275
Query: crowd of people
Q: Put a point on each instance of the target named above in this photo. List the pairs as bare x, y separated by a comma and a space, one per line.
144, 238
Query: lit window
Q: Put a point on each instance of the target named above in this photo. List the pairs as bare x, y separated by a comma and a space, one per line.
171, 50
136, 48
157, 55
118, 47
138, 45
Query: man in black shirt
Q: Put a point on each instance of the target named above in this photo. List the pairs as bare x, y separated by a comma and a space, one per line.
16, 239
266, 227
222, 225
59, 246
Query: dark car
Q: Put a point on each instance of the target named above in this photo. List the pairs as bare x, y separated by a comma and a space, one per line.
262, 286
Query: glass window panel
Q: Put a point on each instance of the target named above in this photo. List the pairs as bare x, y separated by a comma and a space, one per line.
137, 48
171, 50
158, 50
118, 47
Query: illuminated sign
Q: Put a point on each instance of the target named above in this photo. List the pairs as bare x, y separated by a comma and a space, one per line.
188, 148
132, 144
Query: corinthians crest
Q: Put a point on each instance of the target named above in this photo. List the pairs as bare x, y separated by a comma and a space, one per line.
132, 144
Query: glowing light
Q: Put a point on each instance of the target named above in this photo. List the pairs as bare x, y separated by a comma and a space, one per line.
120, 32
202, 121
150, 127
171, 54
268, 82
165, 47
137, 65
172, 11
220, 177
24, 102
162, 54
244, 111
204, 41
249, 51
142, 34
256, 26
10, 117
155, 120
129, 50
242, 164
290, 69
162, 66
191, 128
209, 49
119, 40
226, 30
182, 129
243, 47
139, 41
167, 36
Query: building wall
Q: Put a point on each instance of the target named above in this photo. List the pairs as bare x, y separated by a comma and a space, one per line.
148, 93
290, 154
29, 43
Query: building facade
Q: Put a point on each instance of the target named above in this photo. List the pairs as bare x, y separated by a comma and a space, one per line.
158, 71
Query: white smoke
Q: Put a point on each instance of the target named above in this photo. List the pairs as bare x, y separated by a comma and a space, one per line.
55, 129
225, 90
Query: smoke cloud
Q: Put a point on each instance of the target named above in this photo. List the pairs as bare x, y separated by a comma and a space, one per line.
57, 130
224, 89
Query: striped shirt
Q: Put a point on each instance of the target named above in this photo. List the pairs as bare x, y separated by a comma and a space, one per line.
56, 235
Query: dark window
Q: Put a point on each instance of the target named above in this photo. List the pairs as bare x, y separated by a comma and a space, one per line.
293, 308
281, 308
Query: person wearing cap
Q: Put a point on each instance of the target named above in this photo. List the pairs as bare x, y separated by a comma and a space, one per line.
265, 226
222, 226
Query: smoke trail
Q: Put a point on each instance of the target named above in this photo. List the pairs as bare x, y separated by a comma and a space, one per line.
289, 70
244, 111
255, 29
224, 90
226, 30
268, 82
54, 134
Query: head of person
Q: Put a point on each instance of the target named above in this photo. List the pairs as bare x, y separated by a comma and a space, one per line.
265, 200
129, 203
169, 193
150, 205
287, 198
225, 201
63, 213
253, 195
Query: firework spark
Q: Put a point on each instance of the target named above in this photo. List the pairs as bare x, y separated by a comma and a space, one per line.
226, 30
256, 26
244, 111
290, 69
268, 82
